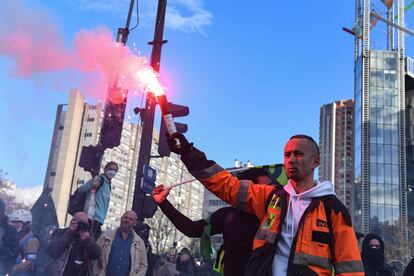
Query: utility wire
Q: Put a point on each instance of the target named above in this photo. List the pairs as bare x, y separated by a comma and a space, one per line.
136, 25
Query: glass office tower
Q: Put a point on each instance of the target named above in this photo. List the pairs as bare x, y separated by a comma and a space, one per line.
380, 191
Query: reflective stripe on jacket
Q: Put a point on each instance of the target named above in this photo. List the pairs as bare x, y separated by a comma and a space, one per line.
310, 252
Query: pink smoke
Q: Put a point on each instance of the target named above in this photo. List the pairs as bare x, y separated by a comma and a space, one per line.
31, 40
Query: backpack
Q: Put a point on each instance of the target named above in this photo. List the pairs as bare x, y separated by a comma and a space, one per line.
77, 200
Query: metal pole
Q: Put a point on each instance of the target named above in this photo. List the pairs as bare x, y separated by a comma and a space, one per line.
148, 120
124, 32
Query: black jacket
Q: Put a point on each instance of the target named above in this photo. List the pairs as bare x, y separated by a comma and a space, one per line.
9, 247
64, 245
238, 229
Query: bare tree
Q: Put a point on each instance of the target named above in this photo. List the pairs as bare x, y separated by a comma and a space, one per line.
163, 233
194, 247
6, 194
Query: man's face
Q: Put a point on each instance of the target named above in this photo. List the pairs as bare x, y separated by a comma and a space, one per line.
80, 216
300, 159
374, 244
112, 167
128, 220
17, 224
171, 257
184, 257
111, 171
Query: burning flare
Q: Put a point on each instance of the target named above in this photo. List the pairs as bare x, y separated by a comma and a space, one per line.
149, 78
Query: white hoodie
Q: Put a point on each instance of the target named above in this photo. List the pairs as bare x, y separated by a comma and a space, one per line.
296, 207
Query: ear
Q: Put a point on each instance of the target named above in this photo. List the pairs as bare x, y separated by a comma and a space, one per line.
316, 162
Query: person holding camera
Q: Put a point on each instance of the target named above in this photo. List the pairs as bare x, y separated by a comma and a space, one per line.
73, 248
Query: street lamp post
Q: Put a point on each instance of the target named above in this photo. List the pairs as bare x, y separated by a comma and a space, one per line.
140, 197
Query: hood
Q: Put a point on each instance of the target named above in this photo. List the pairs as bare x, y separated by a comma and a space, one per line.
299, 202
370, 256
296, 207
321, 189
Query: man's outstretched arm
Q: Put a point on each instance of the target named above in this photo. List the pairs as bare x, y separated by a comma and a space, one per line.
239, 193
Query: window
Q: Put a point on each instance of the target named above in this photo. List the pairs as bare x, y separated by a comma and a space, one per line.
90, 119
60, 128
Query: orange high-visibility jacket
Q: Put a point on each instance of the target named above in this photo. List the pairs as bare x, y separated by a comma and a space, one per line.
316, 250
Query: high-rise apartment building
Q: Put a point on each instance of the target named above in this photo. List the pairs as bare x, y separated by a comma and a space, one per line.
78, 124
336, 136
380, 194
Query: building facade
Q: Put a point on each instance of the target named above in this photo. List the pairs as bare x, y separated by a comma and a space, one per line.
336, 144
380, 194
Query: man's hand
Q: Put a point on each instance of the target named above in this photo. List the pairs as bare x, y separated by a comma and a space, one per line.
159, 194
73, 226
96, 182
181, 148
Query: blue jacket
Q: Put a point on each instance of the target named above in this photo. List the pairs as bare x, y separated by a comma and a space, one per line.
102, 197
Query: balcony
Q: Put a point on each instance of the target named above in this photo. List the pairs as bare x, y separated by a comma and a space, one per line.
409, 70
409, 66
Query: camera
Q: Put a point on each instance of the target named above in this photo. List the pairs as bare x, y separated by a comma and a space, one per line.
83, 226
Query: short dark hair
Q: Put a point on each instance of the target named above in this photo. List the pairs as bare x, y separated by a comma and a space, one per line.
111, 163
306, 137
185, 250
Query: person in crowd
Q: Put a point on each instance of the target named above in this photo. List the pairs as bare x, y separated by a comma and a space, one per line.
43, 259
206, 269
305, 229
73, 248
143, 230
373, 256
123, 251
28, 243
409, 270
238, 227
9, 242
185, 263
166, 265
99, 192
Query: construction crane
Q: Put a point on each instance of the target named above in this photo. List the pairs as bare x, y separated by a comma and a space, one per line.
390, 23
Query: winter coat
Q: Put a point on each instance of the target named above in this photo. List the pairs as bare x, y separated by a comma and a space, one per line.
138, 254
409, 270
314, 244
165, 268
374, 259
186, 268
26, 260
9, 247
62, 242
102, 197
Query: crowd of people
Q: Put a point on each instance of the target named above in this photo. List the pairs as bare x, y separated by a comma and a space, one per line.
299, 228
74, 250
